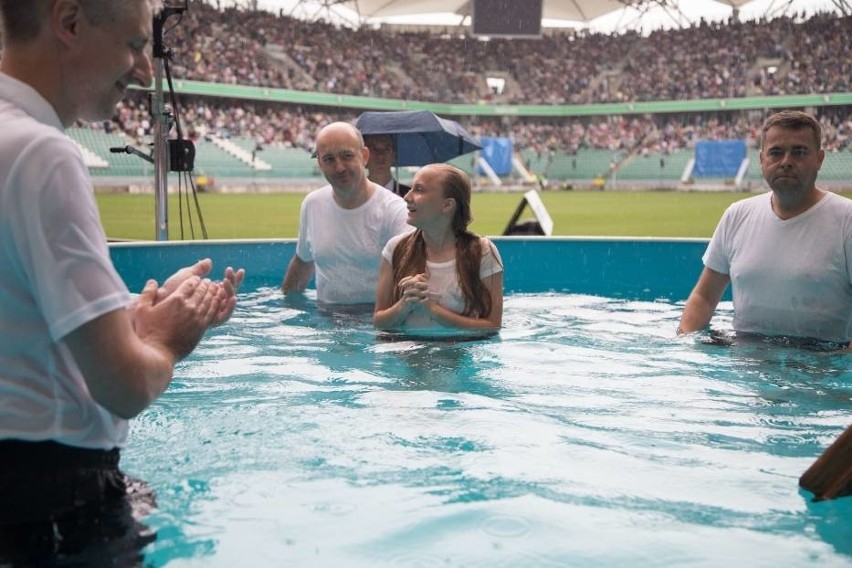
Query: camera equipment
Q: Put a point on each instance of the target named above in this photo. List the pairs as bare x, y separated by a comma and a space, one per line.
176, 155
169, 155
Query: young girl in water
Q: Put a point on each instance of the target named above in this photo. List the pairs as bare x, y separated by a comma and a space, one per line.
440, 275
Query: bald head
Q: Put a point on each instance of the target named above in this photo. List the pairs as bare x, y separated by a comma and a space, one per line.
341, 156
339, 131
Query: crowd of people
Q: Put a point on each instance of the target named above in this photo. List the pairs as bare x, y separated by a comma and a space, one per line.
706, 60
231, 45
791, 54
290, 126
295, 126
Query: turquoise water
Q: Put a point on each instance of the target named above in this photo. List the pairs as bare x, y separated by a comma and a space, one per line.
585, 434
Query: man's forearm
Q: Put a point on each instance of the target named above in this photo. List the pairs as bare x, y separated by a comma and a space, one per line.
696, 315
297, 276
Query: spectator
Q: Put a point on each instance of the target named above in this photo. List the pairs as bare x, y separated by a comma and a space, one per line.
382, 157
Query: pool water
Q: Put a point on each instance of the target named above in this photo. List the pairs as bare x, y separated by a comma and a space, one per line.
584, 434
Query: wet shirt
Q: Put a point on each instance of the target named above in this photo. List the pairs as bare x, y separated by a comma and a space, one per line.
55, 275
789, 277
345, 245
444, 286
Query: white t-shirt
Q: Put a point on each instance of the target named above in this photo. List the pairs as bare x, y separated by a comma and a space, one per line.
789, 277
55, 275
346, 244
444, 286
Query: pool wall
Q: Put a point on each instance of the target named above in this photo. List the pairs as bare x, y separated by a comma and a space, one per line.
642, 269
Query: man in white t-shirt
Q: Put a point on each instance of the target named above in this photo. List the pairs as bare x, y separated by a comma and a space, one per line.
79, 356
787, 252
343, 226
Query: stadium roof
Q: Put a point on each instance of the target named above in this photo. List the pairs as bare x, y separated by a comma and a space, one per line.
573, 10
580, 11
577, 11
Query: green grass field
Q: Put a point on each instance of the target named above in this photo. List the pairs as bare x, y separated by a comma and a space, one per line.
574, 213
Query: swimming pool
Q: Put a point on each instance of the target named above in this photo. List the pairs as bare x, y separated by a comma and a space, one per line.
584, 434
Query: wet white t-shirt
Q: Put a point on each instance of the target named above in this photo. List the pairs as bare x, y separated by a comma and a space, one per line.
345, 245
444, 286
55, 275
789, 277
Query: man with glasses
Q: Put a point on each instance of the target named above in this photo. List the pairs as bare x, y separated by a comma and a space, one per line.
786, 252
382, 157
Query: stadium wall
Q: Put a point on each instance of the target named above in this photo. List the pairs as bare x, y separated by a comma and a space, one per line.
200, 88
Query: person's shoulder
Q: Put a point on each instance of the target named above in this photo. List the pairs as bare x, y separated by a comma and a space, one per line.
386, 196
38, 147
23, 130
392, 244
391, 206
319, 195
749, 204
840, 201
758, 200
839, 208
394, 241
485, 243
491, 261
488, 247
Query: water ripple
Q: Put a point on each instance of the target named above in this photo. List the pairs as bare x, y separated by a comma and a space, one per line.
584, 434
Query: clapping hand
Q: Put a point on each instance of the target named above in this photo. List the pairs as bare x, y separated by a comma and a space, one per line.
177, 321
226, 289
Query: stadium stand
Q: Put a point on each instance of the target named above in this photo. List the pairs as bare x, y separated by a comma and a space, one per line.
569, 137
213, 160
662, 168
247, 155
710, 59
119, 165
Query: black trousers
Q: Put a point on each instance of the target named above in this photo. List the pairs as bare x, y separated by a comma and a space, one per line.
61, 505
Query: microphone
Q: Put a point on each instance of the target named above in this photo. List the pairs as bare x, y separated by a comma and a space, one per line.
130, 150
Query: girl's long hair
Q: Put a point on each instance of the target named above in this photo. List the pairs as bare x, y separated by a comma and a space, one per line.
409, 257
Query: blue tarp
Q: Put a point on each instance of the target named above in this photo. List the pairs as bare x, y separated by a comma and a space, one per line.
719, 158
498, 153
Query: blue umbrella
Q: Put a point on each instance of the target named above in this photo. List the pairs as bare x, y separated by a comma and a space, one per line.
421, 136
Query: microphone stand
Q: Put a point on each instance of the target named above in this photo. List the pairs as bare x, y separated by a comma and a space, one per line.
161, 131
167, 155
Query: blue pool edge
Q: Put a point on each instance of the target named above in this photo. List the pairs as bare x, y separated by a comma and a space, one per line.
629, 268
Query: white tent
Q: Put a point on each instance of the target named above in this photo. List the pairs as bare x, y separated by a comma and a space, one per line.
579, 11
573, 10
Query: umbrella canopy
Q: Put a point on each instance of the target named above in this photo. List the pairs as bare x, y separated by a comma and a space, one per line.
421, 136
